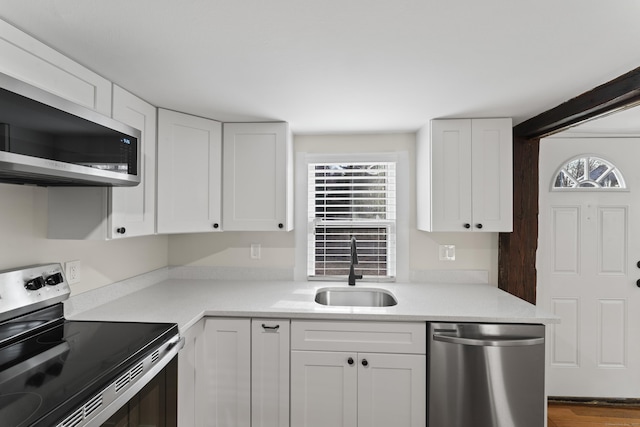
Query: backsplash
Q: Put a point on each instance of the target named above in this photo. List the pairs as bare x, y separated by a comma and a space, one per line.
23, 227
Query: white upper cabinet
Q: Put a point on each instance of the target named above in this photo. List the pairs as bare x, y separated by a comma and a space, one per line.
115, 212
133, 209
189, 173
33, 62
257, 177
464, 174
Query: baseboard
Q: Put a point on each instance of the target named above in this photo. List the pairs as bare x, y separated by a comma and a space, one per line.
593, 401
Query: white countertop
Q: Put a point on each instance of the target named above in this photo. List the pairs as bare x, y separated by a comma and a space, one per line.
186, 301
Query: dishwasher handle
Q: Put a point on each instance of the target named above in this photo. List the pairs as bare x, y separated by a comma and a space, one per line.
489, 342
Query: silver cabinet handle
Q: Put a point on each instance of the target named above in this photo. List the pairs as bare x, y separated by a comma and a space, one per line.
490, 342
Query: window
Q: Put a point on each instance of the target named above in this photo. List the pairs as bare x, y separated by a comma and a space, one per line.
588, 172
345, 200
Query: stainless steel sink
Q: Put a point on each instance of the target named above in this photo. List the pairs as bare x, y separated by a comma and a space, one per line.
356, 297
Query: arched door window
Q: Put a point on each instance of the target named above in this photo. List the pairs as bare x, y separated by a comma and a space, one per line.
588, 172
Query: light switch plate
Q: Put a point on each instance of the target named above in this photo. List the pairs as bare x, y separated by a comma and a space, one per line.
255, 251
447, 252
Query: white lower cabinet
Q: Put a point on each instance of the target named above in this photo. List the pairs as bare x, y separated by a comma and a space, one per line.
371, 385
189, 365
392, 390
226, 399
357, 389
324, 389
234, 372
270, 352
240, 372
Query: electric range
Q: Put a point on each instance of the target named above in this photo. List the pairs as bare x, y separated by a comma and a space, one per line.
65, 373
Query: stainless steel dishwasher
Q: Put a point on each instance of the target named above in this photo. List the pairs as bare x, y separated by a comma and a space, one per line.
486, 375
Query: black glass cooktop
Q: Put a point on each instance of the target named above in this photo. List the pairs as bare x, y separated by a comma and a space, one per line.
46, 376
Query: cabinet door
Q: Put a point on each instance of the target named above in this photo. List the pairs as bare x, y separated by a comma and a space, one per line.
227, 373
492, 174
451, 175
133, 209
257, 180
392, 390
31, 61
189, 367
270, 351
464, 175
324, 389
189, 173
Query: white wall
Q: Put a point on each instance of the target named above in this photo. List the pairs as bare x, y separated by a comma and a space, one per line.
474, 251
23, 231
23, 237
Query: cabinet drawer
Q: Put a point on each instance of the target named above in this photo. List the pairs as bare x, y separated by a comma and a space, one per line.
382, 337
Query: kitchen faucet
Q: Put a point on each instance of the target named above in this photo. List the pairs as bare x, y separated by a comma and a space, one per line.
354, 260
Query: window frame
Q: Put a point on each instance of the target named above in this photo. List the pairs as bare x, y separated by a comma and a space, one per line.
389, 224
614, 169
403, 190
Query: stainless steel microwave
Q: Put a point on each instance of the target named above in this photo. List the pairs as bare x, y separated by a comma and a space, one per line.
47, 140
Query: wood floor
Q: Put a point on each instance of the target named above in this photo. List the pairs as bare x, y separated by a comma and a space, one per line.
584, 415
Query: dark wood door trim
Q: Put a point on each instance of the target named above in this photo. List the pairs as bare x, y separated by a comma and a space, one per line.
517, 250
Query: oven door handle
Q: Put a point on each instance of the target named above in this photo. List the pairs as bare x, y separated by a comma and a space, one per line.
179, 343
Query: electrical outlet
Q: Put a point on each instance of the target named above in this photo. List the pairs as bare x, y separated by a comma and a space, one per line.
72, 271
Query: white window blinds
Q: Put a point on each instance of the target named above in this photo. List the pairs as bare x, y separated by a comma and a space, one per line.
352, 200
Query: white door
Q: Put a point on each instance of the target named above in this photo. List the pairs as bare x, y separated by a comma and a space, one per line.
587, 271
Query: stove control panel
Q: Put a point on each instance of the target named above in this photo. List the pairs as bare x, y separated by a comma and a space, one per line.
29, 288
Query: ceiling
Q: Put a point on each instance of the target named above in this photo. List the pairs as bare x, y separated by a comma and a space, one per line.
344, 66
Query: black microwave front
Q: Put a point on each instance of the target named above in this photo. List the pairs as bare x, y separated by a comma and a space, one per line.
50, 141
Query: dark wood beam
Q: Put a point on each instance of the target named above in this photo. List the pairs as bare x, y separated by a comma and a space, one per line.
517, 250
613, 95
